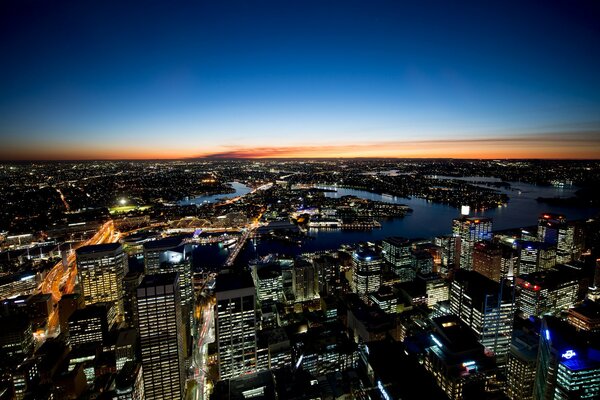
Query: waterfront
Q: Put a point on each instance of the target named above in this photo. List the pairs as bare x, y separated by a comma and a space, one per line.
240, 190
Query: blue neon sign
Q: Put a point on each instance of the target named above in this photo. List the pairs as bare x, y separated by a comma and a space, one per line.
569, 354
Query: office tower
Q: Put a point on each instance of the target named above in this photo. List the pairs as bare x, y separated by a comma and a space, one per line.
585, 316
16, 337
235, 320
548, 227
594, 290
495, 261
385, 299
421, 262
171, 255
486, 306
156, 252
130, 283
273, 349
17, 284
450, 250
436, 288
268, 281
366, 272
129, 383
161, 338
397, 251
457, 361
568, 364
521, 364
547, 291
328, 270
535, 256
125, 347
101, 269
470, 230
90, 324
67, 305
305, 280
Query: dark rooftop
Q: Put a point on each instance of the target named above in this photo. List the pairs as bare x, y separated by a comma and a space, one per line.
232, 281
166, 243
169, 278
98, 248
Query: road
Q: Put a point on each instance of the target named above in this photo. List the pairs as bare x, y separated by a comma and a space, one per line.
205, 336
61, 279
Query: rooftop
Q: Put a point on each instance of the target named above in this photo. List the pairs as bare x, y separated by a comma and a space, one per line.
233, 281
98, 248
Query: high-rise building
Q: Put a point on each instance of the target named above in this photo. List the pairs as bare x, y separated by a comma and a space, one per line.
305, 280
458, 363
585, 316
160, 329
568, 363
91, 324
366, 272
421, 262
101, 269
130, 283
235, 320
397, 251
548, 291
268, 281
470, 230
450, 251
486, 306
594, 290
495, 261
521, 364
535, 256
548, 227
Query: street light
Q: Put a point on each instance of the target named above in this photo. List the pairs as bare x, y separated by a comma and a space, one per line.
122, 201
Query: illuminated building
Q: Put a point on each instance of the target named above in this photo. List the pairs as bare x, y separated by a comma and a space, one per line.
129, 383
547, 291
16, 338
554, 229
495, 261
594, 290
535, 256
328, 270
161, 336
436, 288
171, 255
101, 269
548, 226
130, 283
568, 364
470, 230
17, 284
487, 307
305, 280
273, 349
90, 324
235, 321
125, 347
585, 317
268, 282
450, 250
366, 272
521, 365
397, 252
421, 262
385, 299
457, 361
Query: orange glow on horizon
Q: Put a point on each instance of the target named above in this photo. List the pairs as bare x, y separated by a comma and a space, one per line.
494, 148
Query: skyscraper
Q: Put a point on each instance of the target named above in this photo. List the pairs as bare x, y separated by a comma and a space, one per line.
366, 272
536, 256
101, 269
470, 230
235, 320
486, 306
305, 280
161, 336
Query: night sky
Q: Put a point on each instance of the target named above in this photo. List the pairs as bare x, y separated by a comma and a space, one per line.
104, 79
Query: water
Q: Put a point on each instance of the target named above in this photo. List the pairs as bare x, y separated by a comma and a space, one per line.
240, 190
428, 219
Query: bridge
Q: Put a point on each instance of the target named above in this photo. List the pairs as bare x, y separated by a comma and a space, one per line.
238, 247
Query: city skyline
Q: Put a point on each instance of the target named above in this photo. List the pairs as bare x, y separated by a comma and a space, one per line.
291, 80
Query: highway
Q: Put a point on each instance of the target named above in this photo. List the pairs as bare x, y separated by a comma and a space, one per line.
205, 336
61, 280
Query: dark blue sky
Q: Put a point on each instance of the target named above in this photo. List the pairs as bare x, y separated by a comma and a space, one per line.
173, 79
